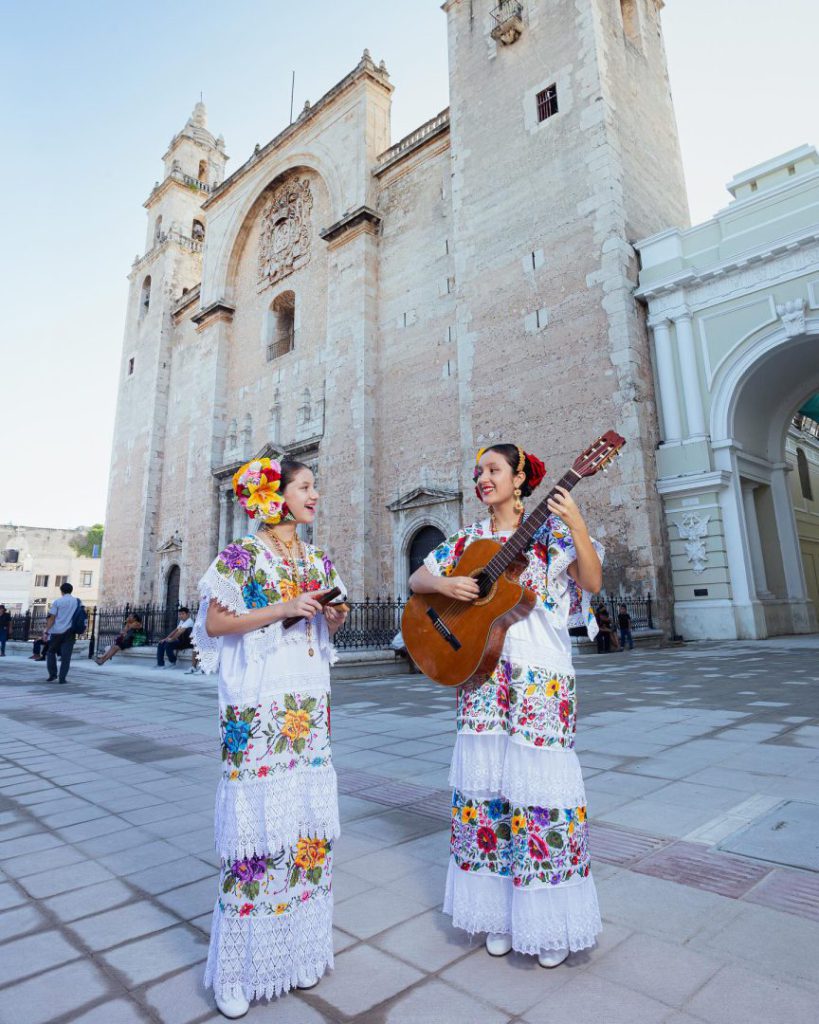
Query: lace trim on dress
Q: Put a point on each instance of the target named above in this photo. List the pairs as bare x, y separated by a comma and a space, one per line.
490, 764
261, 957
263, 816
565, 916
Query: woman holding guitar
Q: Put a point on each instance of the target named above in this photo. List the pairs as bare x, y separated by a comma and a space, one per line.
519, 867
276, 805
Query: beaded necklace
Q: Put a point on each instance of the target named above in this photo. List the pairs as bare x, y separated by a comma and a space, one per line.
297, 576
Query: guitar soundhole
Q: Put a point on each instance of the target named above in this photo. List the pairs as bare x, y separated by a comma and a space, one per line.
485, 584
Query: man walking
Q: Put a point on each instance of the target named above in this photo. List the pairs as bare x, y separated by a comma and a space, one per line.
60, 622
178, 640
5, 629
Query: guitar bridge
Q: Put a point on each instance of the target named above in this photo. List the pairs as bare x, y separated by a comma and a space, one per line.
442, 628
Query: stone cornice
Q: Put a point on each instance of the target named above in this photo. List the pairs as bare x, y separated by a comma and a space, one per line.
692, 484
422, 135
364, 216
366, 69
218, 310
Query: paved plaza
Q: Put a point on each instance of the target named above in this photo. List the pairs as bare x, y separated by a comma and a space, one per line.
702, 769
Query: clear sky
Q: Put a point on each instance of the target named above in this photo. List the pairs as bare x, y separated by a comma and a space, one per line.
94, 91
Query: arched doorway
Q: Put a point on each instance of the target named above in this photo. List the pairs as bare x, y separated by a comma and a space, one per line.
423, 541
172, 589
753, 420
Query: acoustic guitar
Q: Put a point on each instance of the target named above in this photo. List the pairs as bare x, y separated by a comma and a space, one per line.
456, 643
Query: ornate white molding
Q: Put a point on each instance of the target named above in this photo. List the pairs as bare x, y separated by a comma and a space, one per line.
693, 529
792, 315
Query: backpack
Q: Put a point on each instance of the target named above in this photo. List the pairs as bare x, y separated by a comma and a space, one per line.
79, 620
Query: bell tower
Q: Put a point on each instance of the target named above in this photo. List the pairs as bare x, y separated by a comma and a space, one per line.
194, 165
564, 152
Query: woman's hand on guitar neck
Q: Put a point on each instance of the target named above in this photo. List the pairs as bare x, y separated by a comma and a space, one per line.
461, 588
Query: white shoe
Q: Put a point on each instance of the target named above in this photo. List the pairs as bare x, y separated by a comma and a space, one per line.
306, 979
552, 957
498, 945
232, 1007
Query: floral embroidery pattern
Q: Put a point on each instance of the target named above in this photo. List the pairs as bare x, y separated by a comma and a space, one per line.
263, 578
274, 885
295, 726
532, 845
238, 727
537, 705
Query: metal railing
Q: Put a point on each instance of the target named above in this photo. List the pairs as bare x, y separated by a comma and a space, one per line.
641, 610
371, 625
506, 11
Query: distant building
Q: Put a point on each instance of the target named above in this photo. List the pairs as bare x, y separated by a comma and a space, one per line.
34, 561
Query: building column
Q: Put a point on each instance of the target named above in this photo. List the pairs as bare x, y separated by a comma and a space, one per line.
690, 376
667, 379
754, 539
224, 516
795, 585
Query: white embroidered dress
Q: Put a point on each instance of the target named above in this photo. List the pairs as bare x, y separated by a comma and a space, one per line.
277, 803
519, 856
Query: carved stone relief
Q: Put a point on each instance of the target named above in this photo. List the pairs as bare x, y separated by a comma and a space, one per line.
284, 245
792, 315
693, 529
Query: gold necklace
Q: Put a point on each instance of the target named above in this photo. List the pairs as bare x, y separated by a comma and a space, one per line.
493, 524
296, 576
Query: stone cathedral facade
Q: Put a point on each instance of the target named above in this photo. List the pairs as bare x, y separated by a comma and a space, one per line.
380, 310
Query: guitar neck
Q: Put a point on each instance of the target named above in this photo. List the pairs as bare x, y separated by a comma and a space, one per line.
522, 538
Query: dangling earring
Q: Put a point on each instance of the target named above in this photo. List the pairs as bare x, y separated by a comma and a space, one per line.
518, 506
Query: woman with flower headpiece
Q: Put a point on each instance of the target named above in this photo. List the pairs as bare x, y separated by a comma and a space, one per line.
277, 804
519, 865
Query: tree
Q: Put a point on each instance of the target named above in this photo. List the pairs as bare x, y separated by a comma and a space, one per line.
85, 542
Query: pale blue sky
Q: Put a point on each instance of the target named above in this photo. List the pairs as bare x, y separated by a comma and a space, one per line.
93, 92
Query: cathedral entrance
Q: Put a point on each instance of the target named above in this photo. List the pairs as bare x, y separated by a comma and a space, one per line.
760, 440
171, 597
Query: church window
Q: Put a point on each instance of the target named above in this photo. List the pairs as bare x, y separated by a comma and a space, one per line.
158, 230
546, 102
203, 170
804, 474
131, 366
145, 296
198, 231
281, 325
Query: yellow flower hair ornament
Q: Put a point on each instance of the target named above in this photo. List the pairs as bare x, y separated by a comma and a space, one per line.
257, 488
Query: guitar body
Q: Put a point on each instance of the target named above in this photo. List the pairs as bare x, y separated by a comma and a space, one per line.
456, 643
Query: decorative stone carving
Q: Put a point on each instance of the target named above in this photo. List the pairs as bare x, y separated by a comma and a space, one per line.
693, 529
792, 315
284, 245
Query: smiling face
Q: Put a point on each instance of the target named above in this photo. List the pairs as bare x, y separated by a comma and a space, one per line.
302, 497
496, 481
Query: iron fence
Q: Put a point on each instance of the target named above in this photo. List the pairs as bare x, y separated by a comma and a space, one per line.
371, 624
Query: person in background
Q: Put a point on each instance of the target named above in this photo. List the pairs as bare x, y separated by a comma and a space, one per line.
124, 640
62, 636
178, 640
39, 646
604, 624
624, 624
5, 629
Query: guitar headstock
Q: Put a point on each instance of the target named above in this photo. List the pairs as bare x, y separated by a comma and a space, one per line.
598, 455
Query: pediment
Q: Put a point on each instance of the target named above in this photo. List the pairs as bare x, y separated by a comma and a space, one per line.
173, 543
422, 496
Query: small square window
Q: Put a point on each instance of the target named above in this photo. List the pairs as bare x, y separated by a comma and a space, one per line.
59, 580
546, 102
41, 581
130, 366
86, 579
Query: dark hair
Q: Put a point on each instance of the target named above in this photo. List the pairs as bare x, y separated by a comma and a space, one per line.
290, 467
66, 588
511, 453
184, 608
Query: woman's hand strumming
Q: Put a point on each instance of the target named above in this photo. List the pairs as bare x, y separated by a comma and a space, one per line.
461, 588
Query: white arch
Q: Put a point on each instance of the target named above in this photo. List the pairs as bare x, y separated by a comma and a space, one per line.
423, 517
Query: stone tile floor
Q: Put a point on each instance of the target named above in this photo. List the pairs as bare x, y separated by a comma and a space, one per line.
107, 872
